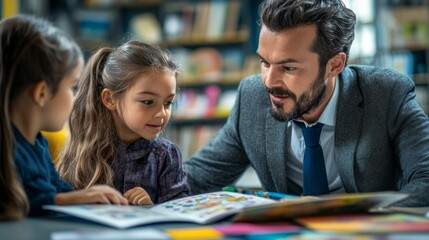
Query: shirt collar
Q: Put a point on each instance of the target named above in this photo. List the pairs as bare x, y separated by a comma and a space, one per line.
329, 114
135, 146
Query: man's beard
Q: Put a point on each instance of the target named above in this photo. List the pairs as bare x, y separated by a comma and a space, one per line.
308, 101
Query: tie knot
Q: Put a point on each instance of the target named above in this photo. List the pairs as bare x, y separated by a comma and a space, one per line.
311, 134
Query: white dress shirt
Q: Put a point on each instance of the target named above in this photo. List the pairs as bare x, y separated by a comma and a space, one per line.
296, 147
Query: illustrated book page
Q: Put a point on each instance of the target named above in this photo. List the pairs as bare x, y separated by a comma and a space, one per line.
202, 209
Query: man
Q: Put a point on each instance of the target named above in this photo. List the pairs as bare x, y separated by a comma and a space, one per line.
374, 135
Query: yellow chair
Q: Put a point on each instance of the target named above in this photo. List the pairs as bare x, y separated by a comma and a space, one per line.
56, 142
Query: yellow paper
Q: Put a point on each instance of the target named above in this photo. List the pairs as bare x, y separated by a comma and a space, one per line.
194, 233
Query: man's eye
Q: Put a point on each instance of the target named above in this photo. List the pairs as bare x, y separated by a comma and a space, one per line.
264, 63
288, 69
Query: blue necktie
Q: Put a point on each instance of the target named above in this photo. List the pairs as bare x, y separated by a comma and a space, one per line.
314, 178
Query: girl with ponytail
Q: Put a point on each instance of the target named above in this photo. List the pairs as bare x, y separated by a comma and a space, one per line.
123, 102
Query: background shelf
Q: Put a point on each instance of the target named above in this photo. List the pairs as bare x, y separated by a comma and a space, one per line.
215, 42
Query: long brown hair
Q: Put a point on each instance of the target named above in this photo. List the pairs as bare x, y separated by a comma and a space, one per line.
87, 157
31, 50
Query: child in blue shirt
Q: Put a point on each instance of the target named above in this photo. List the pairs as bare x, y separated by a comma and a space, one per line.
123, 103
39, 68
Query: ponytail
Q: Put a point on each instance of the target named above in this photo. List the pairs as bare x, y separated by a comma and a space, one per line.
85, 158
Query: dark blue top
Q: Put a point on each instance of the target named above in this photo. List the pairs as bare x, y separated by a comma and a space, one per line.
155, 166
39, 177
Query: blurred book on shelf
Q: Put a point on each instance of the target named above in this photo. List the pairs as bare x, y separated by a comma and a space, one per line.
407, 27
99, 3
405, 43
198, 115
225, 103
232, 21
208, 103
200, 21
209, 65
217, 19
403, 62
96, 24
178, 17
191, 138
233, 62
146, 27
204, 63
119, 3
252, 65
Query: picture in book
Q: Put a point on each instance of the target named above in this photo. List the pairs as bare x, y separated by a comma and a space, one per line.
202, 209
211, 204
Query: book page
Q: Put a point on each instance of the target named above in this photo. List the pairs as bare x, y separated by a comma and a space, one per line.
324, 205
201, 209
210, 207
113, 215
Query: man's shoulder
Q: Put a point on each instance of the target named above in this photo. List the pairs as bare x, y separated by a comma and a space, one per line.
376, 75
252, 88
252, 81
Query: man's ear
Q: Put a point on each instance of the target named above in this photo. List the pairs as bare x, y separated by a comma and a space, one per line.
40, 93
108, 99
336, 65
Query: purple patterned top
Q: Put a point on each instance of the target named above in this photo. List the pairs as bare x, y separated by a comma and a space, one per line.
155, 165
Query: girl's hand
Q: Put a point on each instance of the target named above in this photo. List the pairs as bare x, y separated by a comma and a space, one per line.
95, 194
138, 196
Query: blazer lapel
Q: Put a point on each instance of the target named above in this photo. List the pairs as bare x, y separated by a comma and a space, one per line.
276, 153
348, 127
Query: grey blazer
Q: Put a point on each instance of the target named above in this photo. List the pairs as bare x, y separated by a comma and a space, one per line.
381, 139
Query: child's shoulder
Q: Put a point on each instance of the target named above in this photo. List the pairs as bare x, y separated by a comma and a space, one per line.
166, 150
164, 143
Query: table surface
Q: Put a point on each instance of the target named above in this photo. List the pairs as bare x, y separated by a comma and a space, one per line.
43, 227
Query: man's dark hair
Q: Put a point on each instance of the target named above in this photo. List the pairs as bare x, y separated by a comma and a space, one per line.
335, 23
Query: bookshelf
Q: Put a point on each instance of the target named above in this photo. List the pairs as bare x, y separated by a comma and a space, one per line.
404, 42
99, 23
214, 42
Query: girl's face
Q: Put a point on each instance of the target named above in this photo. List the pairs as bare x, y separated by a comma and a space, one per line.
144, 109
58, 108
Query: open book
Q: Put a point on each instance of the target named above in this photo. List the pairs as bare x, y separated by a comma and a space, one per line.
324, 205
202, 209
211, 207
